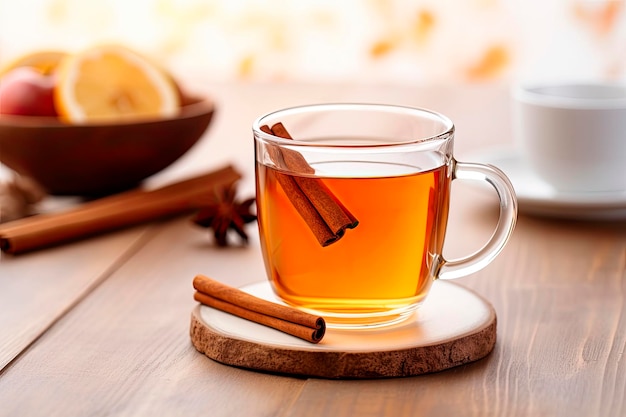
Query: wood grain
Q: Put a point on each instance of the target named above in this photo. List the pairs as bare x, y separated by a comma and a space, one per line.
38, 289
126, 345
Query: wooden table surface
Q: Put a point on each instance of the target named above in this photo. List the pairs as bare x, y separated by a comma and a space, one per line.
100, 327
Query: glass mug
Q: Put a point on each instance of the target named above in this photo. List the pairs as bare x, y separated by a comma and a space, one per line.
352, 210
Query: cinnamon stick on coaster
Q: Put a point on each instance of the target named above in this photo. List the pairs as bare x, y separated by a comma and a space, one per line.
322, 211
113, 212
234, 301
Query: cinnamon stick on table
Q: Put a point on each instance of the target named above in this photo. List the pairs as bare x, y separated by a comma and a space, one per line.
113, 212
322, 211
234, 301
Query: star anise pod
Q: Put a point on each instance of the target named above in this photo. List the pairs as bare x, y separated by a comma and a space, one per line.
226, 213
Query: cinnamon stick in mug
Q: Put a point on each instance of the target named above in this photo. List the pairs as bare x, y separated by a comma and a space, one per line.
325, 215
234, 301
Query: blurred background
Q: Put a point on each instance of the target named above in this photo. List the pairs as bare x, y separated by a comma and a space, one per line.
382, 41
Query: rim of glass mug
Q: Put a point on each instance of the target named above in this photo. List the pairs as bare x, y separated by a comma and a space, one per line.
384, 108
445, 268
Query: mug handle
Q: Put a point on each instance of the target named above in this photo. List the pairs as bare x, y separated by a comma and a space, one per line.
456, 268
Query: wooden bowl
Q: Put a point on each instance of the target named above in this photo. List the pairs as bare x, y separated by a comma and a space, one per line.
99, 159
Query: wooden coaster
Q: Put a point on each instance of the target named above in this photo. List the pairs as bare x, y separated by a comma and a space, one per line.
454, 326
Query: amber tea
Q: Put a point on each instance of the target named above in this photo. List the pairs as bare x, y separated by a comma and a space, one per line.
382, 264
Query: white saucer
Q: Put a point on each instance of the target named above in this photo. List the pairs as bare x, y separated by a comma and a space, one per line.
537, 197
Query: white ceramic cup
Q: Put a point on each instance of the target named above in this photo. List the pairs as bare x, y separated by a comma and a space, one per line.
573, 135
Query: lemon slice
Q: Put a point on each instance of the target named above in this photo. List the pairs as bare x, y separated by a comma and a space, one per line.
43, 61
108, 83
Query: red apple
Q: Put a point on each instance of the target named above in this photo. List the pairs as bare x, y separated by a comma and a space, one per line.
26, 91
